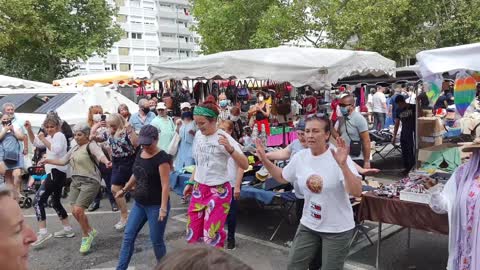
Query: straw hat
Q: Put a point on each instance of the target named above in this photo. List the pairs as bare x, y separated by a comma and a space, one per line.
475, 145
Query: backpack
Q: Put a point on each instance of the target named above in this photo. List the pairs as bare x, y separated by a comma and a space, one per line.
93, 158
11, 148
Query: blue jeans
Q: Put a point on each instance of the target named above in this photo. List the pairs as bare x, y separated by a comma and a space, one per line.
139, 215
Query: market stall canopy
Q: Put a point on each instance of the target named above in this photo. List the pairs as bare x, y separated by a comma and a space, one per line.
299, 66
16, 83
103, 78
450, 59
72, 104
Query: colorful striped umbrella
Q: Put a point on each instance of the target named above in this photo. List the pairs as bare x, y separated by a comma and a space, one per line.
464, 93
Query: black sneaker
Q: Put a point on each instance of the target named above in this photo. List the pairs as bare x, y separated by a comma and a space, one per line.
231, 244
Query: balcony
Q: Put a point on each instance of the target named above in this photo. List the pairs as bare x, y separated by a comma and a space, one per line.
169, 43
176, 2
139, 59
112, 58
138, 43
149, 12
151, 43
150, 28
123, 43
125, 59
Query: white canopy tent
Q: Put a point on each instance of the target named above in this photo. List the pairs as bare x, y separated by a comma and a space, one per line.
72, 107
298, 66
450, 59
16, 83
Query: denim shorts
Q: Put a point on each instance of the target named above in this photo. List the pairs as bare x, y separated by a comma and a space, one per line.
122, 170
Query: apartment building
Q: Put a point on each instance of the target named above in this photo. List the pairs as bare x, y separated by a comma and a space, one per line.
154, 31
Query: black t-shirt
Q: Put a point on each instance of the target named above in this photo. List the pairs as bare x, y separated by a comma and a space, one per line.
148, 190
407, 117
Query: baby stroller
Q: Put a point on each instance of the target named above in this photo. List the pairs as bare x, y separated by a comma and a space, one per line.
38, 174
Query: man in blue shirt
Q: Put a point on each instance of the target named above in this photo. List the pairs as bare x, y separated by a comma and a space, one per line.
143, 117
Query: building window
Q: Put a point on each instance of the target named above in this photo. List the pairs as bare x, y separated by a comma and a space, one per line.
165, 5
124, 34
114, 66
134, 3
120, 3
123, 51
136, 36
121, 18
125, 67
165, 35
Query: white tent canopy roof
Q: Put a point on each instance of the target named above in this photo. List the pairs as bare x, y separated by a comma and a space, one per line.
299, 66
450, 59
16, 83
75, 109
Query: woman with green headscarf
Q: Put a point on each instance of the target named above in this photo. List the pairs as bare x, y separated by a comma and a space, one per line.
210, 188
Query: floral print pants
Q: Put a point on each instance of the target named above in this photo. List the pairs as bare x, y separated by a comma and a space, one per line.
207, 213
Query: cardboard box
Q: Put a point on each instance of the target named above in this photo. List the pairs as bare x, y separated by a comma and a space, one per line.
430, 127
424, 142
425, 153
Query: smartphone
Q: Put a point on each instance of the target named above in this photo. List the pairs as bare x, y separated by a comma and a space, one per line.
103, 117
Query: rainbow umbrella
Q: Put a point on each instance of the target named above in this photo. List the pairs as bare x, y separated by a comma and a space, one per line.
464, 93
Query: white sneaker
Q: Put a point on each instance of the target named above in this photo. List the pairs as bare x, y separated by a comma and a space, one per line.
120, 226
41, 238
63, 234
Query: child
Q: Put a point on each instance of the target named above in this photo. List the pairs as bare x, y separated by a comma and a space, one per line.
37, 173
246, 139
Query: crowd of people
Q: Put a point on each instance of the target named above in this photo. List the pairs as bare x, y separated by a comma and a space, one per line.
133, 154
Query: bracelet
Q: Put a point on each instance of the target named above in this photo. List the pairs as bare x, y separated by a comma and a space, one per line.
230, 153
124, 190
189, 183
163, 210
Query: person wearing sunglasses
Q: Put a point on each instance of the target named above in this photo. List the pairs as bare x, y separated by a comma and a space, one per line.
326, 175
353, 128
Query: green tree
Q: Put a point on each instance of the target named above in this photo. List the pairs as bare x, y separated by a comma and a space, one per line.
227, 25
395, 28
41, 39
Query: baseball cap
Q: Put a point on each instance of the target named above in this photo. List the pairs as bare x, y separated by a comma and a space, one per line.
161, 106
184, 105
147, 135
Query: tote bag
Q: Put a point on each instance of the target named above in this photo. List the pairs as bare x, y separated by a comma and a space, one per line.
173, 146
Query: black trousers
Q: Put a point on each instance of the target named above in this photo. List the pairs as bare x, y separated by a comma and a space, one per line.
407, 142
52, 186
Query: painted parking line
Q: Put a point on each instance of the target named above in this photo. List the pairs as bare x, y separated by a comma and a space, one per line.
102, 212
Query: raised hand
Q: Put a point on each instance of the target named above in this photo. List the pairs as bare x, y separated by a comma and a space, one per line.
260, 153
341, 154
224, 141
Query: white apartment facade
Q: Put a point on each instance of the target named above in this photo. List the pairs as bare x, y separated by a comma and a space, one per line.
155, 31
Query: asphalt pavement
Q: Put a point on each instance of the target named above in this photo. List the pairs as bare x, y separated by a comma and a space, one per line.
256, 223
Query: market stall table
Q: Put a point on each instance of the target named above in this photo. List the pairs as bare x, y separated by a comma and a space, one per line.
403, 213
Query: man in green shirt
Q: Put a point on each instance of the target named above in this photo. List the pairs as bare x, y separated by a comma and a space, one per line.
165, 126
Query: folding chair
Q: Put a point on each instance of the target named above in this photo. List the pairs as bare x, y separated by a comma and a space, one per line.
359, 227
288, 200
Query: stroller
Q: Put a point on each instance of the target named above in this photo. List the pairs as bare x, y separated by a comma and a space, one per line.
38, 174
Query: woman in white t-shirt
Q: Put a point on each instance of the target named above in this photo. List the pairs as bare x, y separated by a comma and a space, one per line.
55, 143
326, 176
211, 190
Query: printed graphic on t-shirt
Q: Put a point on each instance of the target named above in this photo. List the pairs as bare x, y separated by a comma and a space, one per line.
315, 210
204, 154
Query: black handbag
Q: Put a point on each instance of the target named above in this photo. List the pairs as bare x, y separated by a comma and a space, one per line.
355, 146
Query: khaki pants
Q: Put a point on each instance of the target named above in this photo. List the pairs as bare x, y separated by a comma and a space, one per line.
315, 250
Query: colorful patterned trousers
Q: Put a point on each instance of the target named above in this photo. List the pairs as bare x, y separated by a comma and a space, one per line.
207, 213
